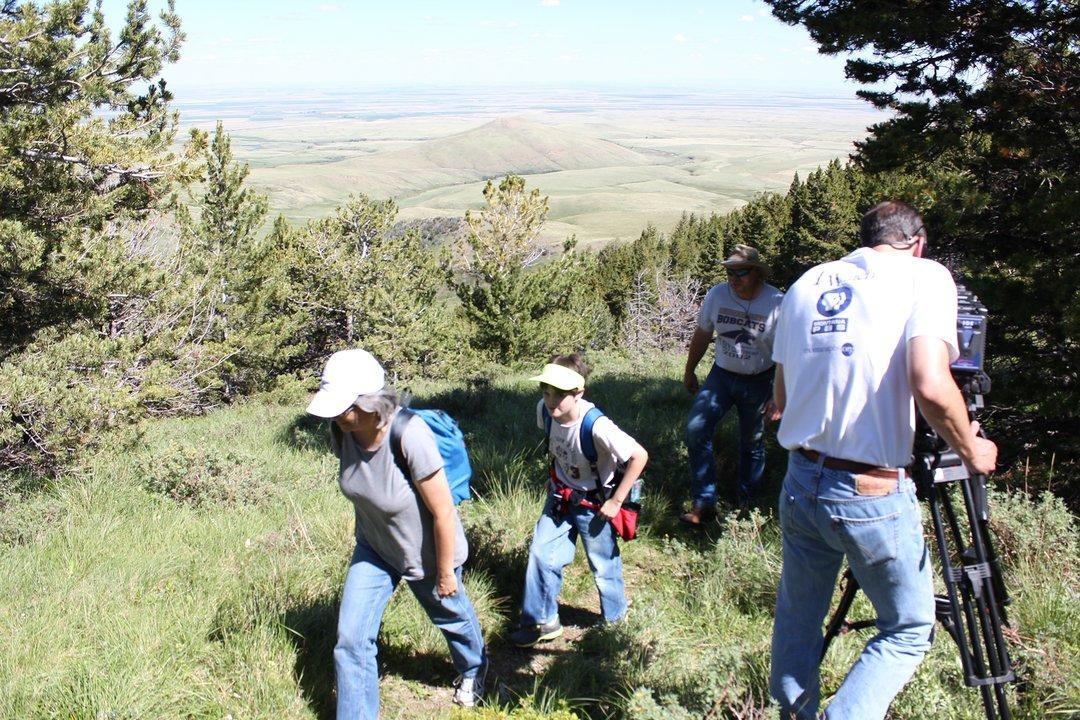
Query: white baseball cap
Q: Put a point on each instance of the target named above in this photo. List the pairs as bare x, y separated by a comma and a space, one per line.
348, 374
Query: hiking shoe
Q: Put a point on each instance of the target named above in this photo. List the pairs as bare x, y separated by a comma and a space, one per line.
529, 636
468, 692
698, 515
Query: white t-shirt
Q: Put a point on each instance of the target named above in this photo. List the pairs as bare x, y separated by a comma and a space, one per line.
744, 328
842, 341
613, 447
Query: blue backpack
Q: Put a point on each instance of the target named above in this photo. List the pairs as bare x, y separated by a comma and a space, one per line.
451, 445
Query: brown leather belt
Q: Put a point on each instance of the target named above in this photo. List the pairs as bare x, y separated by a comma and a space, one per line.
850, 465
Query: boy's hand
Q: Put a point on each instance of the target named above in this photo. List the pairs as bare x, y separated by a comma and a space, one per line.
609, 509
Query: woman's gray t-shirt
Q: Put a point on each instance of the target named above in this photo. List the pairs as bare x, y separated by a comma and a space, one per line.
390, 516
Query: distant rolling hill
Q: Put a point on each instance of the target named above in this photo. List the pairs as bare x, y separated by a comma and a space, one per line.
505, 145
523, 147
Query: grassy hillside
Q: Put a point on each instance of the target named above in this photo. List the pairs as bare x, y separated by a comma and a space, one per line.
196, 572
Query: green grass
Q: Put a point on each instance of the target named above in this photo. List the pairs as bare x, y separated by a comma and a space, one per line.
196, 573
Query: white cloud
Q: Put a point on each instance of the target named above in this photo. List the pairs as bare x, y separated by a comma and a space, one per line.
511, 24
549, 3
763, 12
679, 38
747, 18
330, 8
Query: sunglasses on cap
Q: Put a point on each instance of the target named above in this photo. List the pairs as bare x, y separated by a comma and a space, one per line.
739, 272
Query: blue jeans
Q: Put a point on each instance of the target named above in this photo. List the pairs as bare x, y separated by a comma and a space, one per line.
721, 390
823, 520
552, 550
368, 586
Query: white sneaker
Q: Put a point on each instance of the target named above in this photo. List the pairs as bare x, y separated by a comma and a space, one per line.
469, 691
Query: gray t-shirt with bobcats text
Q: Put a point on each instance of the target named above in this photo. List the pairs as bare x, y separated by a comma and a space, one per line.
390, 516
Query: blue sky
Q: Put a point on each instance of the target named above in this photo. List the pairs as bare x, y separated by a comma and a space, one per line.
722, 45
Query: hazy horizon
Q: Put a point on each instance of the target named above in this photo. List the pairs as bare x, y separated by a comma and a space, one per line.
733, 46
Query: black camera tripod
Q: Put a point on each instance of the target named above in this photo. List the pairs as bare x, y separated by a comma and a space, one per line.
972, 610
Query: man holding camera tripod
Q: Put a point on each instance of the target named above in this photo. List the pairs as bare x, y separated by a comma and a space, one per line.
857, 340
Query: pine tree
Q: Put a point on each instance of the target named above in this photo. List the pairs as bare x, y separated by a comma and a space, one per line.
79, 150
517, 311
824, 224
85, 159
357, 284
234, 274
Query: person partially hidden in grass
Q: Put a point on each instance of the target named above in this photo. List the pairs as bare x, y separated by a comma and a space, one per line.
404, 529
561, 412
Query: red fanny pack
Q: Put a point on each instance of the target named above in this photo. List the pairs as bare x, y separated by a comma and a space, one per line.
625, 521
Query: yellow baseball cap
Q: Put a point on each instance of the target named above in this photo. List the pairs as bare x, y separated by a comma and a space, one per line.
560, 377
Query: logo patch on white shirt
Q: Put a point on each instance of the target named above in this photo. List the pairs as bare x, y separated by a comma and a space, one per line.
834, 302
836, 325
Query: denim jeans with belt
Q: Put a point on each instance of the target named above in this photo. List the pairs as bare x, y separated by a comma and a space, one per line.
824, 519
552, 549
368, 586
721, 390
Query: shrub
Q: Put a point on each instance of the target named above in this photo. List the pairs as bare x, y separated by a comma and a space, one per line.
60, 395
354, 280
199, 476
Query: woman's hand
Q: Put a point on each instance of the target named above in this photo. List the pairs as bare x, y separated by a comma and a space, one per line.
609, 509
446, 585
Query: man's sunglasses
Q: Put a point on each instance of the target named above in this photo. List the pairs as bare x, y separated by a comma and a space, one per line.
739, 272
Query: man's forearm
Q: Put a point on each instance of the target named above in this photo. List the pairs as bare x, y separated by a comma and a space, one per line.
698, 345
937, 396
946, 412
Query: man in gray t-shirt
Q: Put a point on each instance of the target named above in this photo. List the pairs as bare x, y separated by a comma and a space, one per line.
742, 314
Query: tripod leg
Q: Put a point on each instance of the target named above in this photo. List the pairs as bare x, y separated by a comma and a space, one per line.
981, 576
838, 622
936, 500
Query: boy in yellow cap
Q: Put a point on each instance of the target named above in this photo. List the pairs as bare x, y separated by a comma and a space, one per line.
563, 412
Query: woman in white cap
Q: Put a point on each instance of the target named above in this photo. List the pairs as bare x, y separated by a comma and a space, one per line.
404, 530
